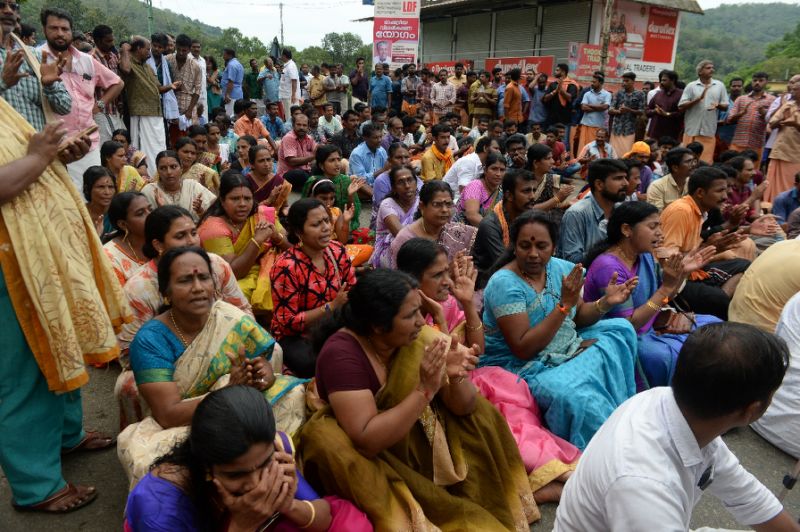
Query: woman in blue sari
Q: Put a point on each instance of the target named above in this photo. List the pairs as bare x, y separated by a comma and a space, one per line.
578, 367
633, 232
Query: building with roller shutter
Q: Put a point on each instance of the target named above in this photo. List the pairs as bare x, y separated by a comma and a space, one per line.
478, 29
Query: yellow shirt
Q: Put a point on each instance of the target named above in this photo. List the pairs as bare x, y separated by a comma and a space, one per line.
432, 167
664, 191
770, 281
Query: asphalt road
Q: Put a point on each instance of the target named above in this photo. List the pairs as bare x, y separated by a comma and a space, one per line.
103, 471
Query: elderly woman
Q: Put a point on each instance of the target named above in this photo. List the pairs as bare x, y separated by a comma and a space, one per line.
99, 189
578, 367
397, 210
196, 344
172, 189
201, 480
634, 231
246, 235
404, 434
113, 157
125, 249
309, 281
434, 223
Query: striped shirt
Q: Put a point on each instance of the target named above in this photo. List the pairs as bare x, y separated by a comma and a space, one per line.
25, 96
752, 125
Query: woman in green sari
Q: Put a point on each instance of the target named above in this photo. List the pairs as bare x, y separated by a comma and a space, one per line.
404, 434
194, 346
329, 166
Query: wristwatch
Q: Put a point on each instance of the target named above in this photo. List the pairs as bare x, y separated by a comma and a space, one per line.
101, 105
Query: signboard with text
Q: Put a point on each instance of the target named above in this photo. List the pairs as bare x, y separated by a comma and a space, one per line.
642, 40
450, 66
395, 32
539, 64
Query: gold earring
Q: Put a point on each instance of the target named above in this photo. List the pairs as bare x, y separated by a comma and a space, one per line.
209, 478
166, 300
300, 243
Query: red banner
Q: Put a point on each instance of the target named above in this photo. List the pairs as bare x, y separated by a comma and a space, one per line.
662, 29
450, 66
539, 64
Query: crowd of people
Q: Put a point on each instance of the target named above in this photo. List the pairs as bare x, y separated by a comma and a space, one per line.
394, 300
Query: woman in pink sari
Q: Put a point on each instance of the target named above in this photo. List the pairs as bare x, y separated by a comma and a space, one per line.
447, 291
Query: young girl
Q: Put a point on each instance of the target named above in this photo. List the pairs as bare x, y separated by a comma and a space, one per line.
324, 191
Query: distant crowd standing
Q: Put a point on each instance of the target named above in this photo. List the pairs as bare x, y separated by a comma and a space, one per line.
392, 300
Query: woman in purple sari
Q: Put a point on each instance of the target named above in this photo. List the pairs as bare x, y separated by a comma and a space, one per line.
396, 211
634, 231
234, 473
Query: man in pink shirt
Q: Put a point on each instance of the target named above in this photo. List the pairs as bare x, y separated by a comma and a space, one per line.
296, 153
82, 75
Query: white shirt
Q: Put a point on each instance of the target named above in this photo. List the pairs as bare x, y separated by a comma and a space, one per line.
463, 171
642, 471
780, 424
203, 86
290, 73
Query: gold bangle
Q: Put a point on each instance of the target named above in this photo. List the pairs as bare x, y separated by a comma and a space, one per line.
313, 515
478, 327
254, 241
653, 306
599, 307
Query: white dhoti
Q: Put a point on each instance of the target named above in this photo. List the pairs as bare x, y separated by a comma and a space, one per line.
147, 134
108, 123
77, 168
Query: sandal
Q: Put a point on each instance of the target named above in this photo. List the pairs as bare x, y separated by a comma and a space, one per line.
67, 500
93, 441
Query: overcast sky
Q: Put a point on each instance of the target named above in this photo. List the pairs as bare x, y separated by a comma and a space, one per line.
305, 21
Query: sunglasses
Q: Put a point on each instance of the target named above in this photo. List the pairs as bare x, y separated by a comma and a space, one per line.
13, 5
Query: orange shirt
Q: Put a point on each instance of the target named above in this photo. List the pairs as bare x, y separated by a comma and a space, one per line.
681, 222
245, 126
512, 103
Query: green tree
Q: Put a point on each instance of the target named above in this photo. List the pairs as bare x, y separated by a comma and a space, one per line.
342, 47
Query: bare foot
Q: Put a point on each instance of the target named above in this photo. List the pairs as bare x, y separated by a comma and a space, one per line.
548, 493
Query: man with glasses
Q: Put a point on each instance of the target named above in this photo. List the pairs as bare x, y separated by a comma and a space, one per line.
679, 162
516, 156
19, 85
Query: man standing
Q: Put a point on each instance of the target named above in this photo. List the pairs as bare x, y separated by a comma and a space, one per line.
143, 99
202, 106
483, 98
512, 103
424, 93
252, 87
700, 101
538, 111
296, 153
559, 97
289, 90
749, 114
443, 96
22, 87
666, 119
169, 100
111, 119
188, 74
336, 89
409, 89
627, 108
82, 76
584, 223
595, 104
380, 89
725, 378
231, 81
316, 89
270, 80
458, 78
360, 82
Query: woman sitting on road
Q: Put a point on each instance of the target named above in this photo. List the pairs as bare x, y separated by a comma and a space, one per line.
190, 348
113, 157
172, 189
127, 214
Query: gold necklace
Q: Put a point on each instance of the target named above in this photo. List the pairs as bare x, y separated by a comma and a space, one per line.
422, 220
236, 227
135, 255
625, 256
178, 329
376, 355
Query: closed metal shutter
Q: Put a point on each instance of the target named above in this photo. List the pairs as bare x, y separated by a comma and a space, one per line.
473, 33
515, 32
562, 24
436, 40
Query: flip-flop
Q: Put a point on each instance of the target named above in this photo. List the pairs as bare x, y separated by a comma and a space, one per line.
93, 441
56, 504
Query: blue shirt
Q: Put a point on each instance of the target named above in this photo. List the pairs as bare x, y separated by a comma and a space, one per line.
538, 112
365, 162
234, 71
583, 226
596, 118
380, 89
501, 95
785, 204
275, 127
270, 81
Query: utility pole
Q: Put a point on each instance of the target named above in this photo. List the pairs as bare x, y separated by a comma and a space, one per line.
605, 34
149, 17
281, 8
